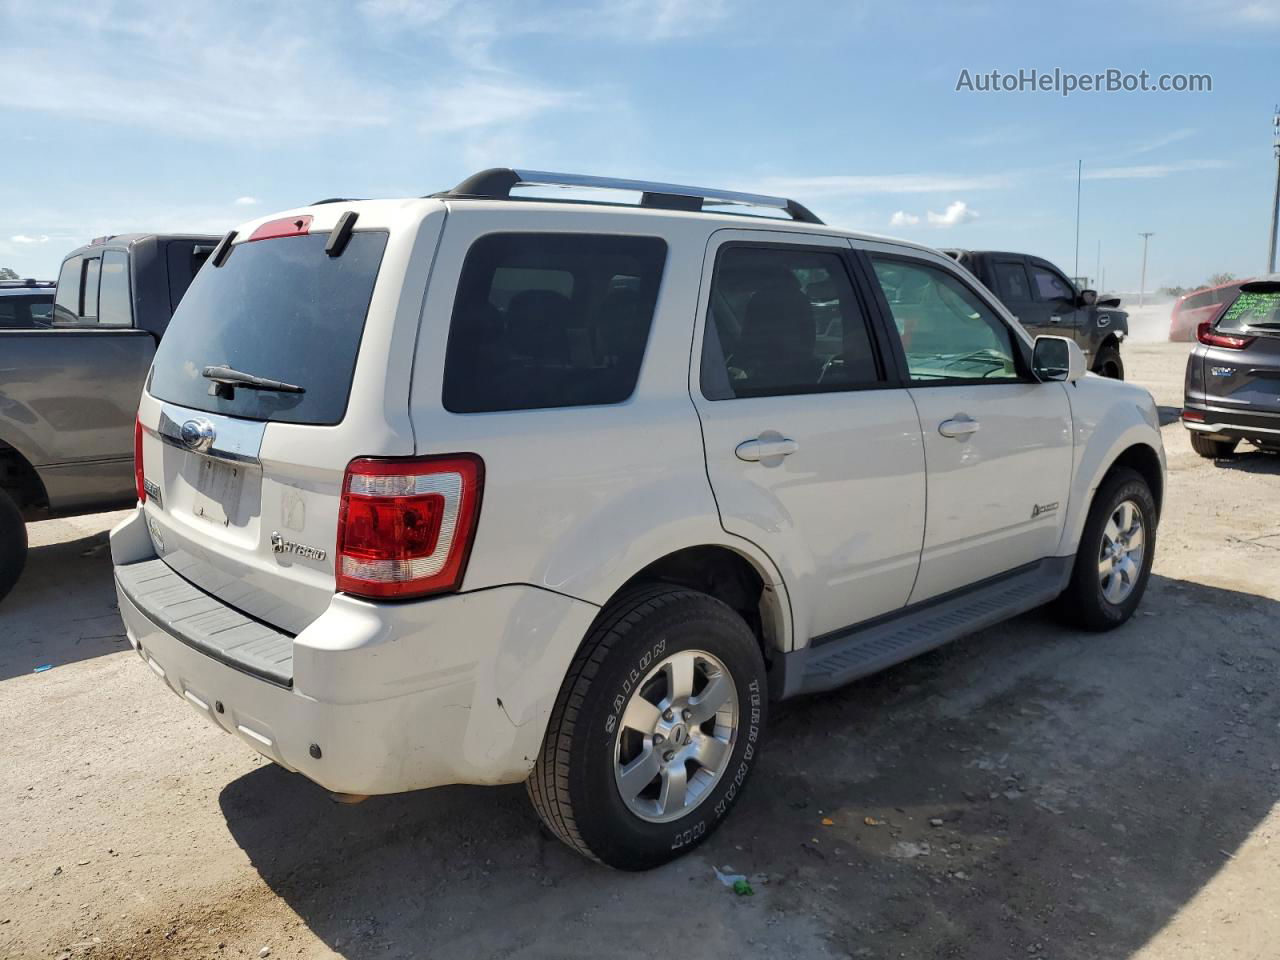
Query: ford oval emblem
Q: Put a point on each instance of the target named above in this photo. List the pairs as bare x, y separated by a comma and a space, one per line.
197, 435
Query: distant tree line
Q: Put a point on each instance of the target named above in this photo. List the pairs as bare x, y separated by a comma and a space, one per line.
1216, 280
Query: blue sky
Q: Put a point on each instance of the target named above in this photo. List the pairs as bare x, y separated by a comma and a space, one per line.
164, 116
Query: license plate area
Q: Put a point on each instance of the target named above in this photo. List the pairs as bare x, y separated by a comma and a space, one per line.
216, 492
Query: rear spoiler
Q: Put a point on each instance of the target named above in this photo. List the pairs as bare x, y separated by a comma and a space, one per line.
1260, 286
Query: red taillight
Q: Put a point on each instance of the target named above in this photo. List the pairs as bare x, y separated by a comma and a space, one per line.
1195, 415
287, 227
1211, 338
406, 526
139, 482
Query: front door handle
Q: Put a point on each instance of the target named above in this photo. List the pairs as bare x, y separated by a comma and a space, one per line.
766, 449
961, 425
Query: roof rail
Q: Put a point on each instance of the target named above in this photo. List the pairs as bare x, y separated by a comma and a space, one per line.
27, 282
497, 182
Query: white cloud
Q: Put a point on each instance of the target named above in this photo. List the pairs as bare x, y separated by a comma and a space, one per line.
884, 184
956, 212
1149, 171
24, 238
903, 219
1164, 141
216, 75
246, 201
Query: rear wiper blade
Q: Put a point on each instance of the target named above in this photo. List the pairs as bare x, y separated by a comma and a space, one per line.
227, 379
1264, 325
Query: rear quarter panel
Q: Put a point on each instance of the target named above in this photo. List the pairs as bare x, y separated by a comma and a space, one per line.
67, 403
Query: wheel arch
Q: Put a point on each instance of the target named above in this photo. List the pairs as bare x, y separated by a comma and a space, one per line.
20, 479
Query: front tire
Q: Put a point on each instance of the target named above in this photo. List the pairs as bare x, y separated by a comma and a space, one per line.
1113, 560
656, 728
1108, 363
13, 543
1212, 449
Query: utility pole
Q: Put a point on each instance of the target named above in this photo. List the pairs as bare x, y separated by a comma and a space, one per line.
1142, 290
1097, 276
1079, 171
1275, 203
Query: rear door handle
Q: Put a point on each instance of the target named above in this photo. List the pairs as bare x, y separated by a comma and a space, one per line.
961, 425
766, 449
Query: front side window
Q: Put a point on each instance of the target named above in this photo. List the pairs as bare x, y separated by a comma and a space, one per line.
947, 333
547, 320
1012, 279
783, 321
1050, 286
113, 293
66, 307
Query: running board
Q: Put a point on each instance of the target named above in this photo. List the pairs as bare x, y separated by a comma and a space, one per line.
836, 659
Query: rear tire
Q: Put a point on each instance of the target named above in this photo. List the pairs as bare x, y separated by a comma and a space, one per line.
13, 543
623, 711
1110, 576
1212, 449
1108, 363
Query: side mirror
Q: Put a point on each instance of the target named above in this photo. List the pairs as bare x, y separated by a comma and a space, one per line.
1058, 358
1088, 298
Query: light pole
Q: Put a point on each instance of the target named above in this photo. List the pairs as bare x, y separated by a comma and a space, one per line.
1275, 203
1142, 290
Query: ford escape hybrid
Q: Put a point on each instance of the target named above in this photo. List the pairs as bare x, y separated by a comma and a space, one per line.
487, 488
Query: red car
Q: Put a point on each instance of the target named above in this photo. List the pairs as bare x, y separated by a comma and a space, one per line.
1192, 309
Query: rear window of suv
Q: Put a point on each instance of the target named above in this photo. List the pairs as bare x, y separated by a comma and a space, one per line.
1255, 311
550, 320
281, 309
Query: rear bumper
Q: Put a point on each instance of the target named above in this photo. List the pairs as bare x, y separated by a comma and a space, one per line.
1232, 424
385, 697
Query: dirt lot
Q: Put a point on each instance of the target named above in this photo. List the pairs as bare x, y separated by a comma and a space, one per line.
1099, 796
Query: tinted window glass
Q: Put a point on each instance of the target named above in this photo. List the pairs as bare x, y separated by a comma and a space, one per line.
1197, 300
18, 311
280, 309
783, 321
113, 296
1012, 279
550, 320
1257, 310
1050, 286
947, 332
89, 302
67, 297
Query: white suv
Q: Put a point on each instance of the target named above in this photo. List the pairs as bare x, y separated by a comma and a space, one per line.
481, 488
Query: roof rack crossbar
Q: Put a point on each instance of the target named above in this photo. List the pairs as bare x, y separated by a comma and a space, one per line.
497, 183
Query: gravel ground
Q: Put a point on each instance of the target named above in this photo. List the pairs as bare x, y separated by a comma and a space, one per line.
1030, 791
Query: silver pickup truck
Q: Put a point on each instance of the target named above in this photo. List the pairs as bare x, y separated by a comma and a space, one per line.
69, 390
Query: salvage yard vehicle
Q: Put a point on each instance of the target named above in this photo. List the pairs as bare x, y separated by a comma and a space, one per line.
487, 488
1192, 309
25, 303
1044, 301
69, 388
1233, 374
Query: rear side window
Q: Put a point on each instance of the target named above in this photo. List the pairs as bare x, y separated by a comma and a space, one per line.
89, 295
1012, 279
783, 320
280, 309
114, 307
550, 320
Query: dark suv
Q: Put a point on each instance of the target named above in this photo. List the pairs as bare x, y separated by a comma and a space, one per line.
26, 303
1233, 374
